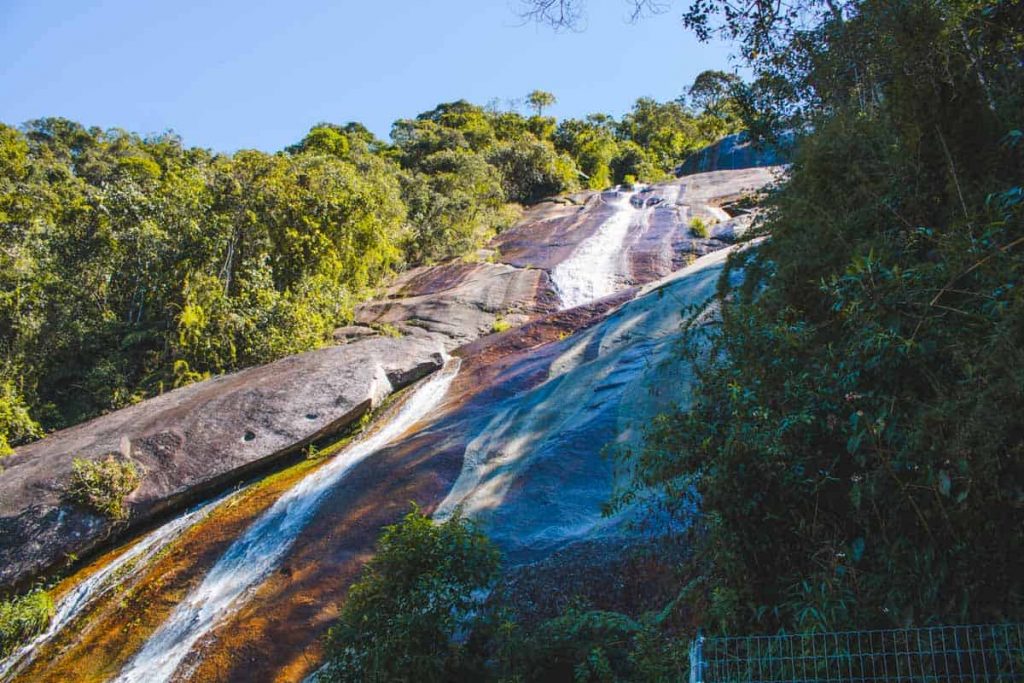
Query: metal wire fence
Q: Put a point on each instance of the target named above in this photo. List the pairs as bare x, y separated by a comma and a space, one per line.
941, 654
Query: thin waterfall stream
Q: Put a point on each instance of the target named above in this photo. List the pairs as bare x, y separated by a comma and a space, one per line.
116, 573
592, 271
250, 558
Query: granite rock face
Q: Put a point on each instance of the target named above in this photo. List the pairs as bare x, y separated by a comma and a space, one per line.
737, 152
535, 473
194, 440
458, 302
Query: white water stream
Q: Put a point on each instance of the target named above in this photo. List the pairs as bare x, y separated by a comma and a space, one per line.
124, 567
592, 271
255, 554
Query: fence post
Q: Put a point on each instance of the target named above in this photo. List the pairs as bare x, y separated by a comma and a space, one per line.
697, 659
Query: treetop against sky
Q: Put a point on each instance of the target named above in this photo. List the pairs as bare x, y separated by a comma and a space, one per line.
235, 74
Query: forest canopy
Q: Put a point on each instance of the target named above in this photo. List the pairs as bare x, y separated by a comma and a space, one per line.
134, 264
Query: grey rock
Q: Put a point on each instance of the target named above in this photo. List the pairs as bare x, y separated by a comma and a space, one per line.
348, 333
459, 302
194, 440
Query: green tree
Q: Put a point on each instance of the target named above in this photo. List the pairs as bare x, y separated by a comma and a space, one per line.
666, 132
455, 204
540, 100
422, 588
532, 170
862, 421
592, 143
711, 90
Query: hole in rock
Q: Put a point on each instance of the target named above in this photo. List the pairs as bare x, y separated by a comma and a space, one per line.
312, 416
249, 436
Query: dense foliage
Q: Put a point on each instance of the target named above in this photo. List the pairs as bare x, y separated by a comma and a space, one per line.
131, 265
856, 439
23, 617
422, 610
422, 589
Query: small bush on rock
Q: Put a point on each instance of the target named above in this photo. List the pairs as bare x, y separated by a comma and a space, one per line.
102, 486
699, 228
500, 325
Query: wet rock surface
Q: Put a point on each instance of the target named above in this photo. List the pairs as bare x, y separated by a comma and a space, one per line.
536, 471
613, 575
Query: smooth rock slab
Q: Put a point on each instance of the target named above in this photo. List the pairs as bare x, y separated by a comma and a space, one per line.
460, 302
193, 440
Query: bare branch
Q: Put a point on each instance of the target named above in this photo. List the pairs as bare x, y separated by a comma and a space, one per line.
558, 14
641, 8
569, 14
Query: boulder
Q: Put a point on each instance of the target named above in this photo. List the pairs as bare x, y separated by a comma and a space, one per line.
192, 441
735, 152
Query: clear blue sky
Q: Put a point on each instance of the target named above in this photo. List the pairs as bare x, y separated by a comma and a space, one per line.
232, 74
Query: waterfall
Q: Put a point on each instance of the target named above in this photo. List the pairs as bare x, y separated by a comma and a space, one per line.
124, 567
258, 551
592, 271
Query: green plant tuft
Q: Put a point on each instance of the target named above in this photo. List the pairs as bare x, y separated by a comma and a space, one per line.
23, 617
102, 486
699, 228
500, 325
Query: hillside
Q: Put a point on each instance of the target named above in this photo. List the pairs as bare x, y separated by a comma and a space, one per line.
503, 398
527, 385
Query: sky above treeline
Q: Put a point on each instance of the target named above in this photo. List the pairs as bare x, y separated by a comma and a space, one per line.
234, 74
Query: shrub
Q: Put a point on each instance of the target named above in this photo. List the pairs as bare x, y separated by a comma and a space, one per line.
500, 325
401, 618
23, 617
699, 228
102, 486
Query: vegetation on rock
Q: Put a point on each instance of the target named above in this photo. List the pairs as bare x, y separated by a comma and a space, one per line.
699, 228
23, 617
103, 485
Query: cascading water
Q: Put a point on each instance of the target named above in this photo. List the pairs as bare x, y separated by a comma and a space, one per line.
533, 473
125, 567
591, 272
254, 555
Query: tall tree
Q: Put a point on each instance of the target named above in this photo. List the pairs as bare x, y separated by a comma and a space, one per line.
540, 100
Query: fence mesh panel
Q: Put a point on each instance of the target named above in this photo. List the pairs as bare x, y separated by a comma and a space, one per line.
941, 654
